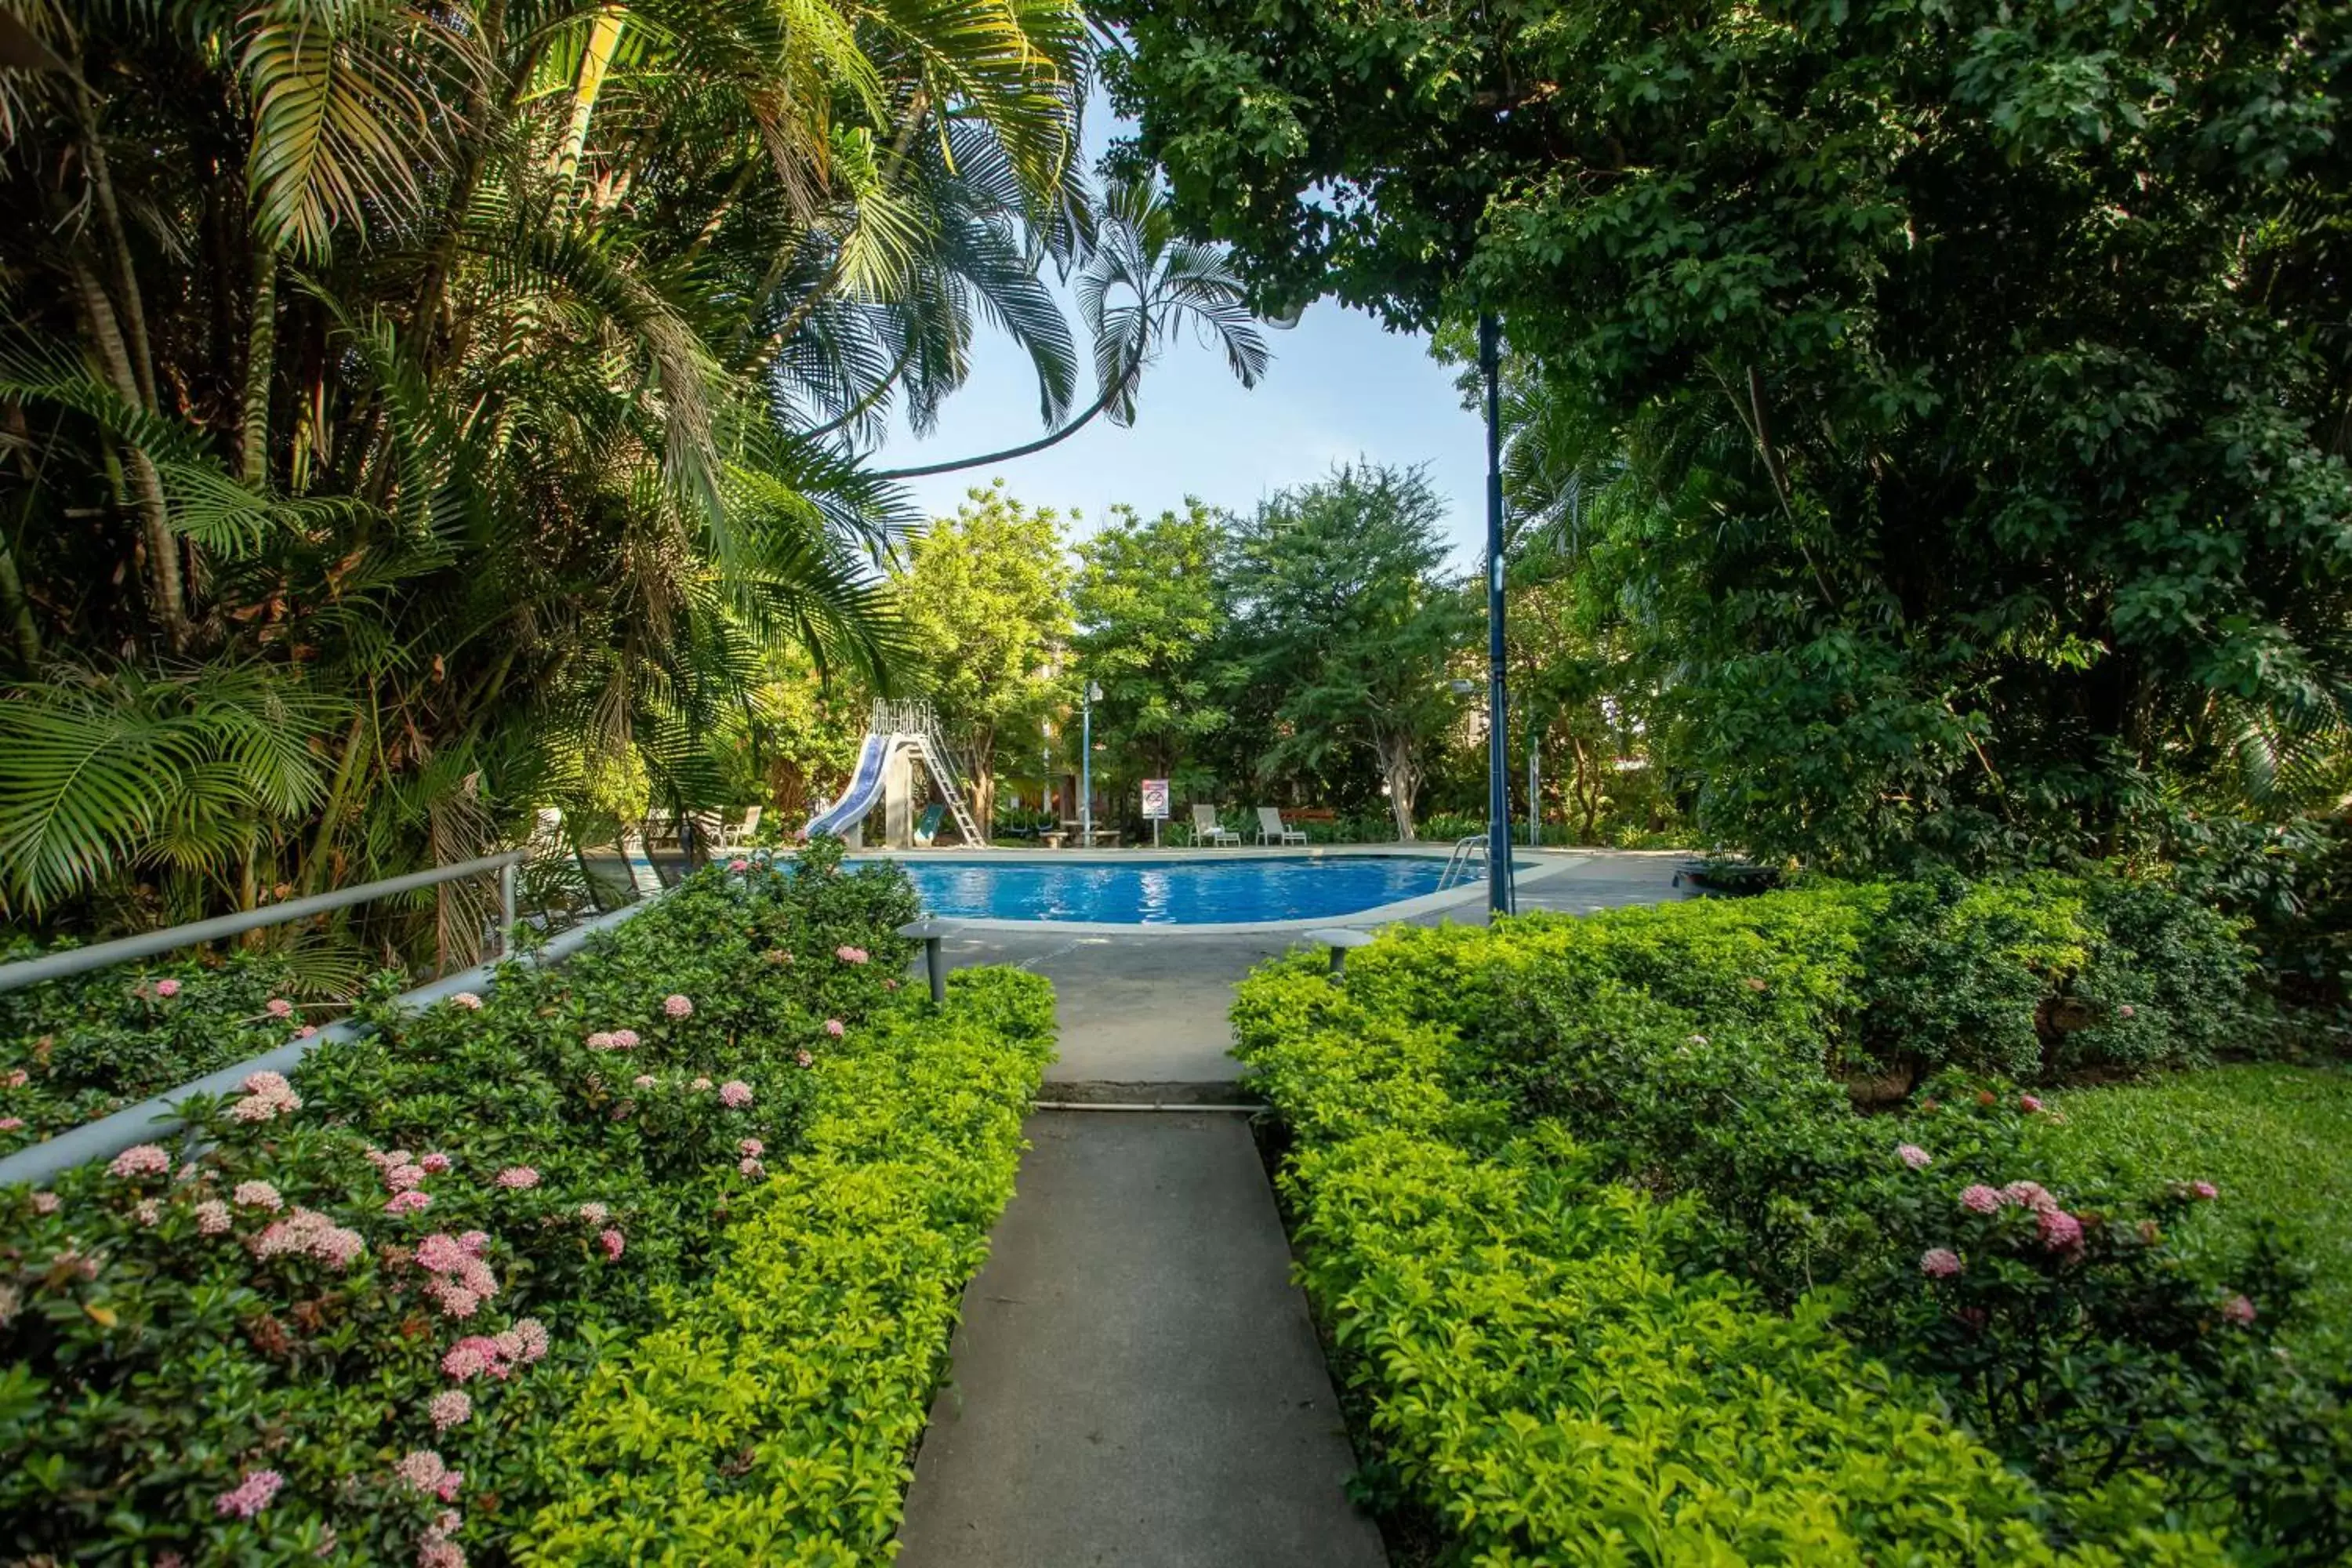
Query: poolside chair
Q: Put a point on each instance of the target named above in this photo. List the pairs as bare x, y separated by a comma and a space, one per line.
1207, 829
1270, 829
744, 832
642, 875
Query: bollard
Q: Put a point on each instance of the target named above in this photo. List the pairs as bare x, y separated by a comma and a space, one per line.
934, 966
1339, 939
506, 909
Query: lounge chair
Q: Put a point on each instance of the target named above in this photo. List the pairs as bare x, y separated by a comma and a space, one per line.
1207, 829
1270, 829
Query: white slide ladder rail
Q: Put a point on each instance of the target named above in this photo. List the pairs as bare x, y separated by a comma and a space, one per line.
918, 719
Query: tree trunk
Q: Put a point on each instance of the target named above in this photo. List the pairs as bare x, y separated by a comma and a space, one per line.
604, 39
1403, 780
166, 595
260, 355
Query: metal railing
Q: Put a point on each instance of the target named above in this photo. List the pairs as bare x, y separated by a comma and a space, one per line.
1469, 850
82, 960
158, 1116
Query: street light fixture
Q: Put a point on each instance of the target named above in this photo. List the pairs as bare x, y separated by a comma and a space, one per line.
1498, 756
1091, 695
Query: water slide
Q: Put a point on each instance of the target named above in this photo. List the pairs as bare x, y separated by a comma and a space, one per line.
864, 789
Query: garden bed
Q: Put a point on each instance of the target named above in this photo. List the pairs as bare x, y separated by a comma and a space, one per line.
1614, 1271
423, 1300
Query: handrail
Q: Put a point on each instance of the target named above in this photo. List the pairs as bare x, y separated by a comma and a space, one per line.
1469, 849
81, 960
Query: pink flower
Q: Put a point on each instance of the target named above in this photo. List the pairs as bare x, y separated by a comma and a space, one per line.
401, 1178
612, 1242
306, 1032
531, 1336
850, 954
1978, 1198
467, 1000
307, 1233
889, 985
805, 1059
11, 1123
212, 1216
475, 1356
2061, 1232
595, 1213
257, 1196
2205, 1189
643, 1080
436, 1551
777, 955
739, 864
602, 1040
252, 1494
281, 1008
141, 1160
1914, 1156
150, 1211
17, 1077
410, 1202
518, 1178
433, 1164
750, 1167
2239, 1311
2027, 1103
45, 1203
698, 1085
735, 1094
834, 1026
267, 1096
751, 1146
2032, 1195
451, 1407
473, 1241
677, 1006
424, 1470
624, 1040
167, 988
1939, 1263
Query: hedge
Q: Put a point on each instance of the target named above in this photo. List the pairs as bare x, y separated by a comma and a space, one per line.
1536, 1298
353, 1315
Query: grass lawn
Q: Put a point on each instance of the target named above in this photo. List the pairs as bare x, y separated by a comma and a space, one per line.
2276, 1140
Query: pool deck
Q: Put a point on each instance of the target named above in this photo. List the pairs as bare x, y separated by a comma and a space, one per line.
1148, 1003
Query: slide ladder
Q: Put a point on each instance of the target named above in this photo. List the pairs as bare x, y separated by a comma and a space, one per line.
918, 722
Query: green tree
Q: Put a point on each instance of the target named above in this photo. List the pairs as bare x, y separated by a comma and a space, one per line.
986, 595
1151, 618
1980, 365
1344, 628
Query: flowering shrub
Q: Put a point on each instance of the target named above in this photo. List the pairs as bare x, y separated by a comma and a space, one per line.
420, 1246
75, 1049
2071, 1335
1538, 1370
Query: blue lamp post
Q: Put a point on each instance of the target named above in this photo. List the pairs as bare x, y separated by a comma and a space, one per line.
1499, 753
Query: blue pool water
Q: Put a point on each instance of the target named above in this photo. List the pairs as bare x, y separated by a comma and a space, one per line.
1166, 892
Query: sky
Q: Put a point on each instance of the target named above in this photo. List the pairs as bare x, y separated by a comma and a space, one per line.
1340, 388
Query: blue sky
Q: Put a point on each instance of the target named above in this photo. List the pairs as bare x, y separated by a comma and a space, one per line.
1341, 387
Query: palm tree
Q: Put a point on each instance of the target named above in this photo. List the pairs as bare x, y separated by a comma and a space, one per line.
428, 393
1141, 284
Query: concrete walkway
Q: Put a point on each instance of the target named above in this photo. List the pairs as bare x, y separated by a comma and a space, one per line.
1136, 1383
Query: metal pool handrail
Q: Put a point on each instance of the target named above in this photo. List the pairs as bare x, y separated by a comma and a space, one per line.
82, 960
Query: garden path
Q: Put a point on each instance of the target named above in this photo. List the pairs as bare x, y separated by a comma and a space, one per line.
1136, 1382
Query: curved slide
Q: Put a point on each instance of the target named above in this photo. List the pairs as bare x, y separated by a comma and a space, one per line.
864, 789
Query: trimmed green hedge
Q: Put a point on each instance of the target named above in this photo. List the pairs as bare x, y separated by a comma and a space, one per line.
773, 1418
1541, 1350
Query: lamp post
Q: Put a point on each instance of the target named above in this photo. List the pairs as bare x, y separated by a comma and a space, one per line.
1498, 756
1088, 697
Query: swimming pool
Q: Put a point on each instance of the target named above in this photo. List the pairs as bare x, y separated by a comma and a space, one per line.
1175, 892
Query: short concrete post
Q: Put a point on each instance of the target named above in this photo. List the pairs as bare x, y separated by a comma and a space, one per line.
1339, 939
506, 908
934, 966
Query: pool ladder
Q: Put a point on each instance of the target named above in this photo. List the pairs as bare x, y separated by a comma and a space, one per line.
1469, 851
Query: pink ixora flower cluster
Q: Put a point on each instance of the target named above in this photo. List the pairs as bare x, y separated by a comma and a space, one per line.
677, 1006
278, 1008
496, 1355
851, 955
403, 1177
612, 1242
1939, 1263
734, 1094
450, 1407
141, 1160
467, 1000
434, 1549
267, 1096
2239, 1311
834, 1026
614, 1041
1913, 1155
429, 1473
461, 1281
14, 1077
2061, 1231
739, 864
306, 1233
516, 1178
212, 1216
257, 1196
251, 1495
167, 988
